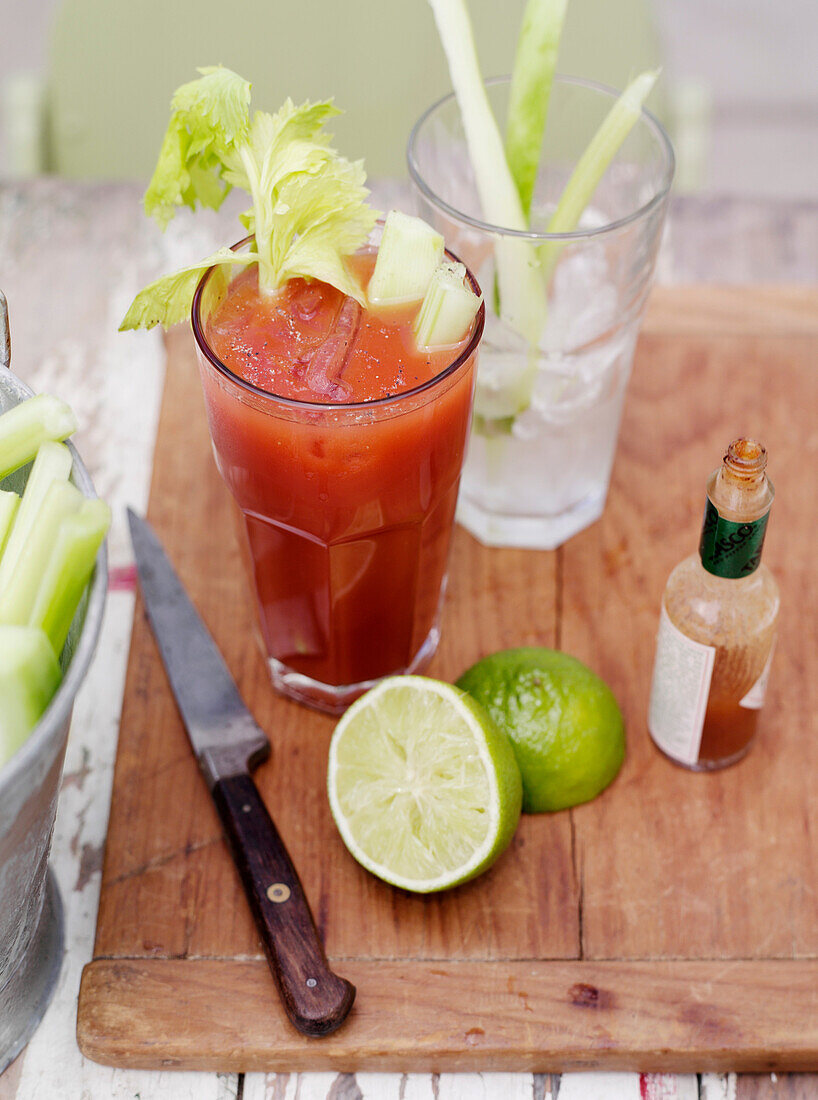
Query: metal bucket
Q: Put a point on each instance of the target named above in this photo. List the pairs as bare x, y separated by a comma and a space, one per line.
31, 932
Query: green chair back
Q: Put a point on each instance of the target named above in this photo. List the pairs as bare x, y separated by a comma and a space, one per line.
114, 65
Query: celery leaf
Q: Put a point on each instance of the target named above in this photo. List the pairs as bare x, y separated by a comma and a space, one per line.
309, 209
208, 116
309, 204
318, 219
166, 301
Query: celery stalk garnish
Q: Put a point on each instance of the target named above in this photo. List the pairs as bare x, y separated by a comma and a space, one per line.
521, 288
593, 164
27, 425
9, 503
20, 591
69, 569
309, 210
531, 80
29, 676
52, 464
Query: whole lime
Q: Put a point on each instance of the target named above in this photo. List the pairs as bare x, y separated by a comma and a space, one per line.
563, 720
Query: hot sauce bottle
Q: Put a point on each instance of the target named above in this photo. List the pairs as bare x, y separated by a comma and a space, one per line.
717, 623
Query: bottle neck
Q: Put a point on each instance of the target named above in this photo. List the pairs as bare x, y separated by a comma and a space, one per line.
739, 497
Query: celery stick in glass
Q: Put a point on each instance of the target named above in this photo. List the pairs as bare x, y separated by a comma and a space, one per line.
584, 180
530, 91
9, 503
409, 252
447, 310
18, 595
52, 464
27, 425
522, 294
29, 676
593, 163
69, 569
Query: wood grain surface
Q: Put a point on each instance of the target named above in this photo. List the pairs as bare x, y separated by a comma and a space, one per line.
721, 865
459, 1016
688, 900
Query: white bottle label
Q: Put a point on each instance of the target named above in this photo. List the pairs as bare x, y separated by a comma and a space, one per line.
678, 697
754, 699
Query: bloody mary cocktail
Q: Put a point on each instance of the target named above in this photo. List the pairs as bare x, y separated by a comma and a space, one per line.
342, 445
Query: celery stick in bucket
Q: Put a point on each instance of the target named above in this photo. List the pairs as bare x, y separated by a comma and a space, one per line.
38, 686
50, 534
554, 366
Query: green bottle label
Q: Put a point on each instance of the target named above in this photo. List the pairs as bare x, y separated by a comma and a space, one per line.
729, 549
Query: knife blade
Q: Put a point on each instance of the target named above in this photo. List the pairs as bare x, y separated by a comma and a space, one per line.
5, 338
228, 744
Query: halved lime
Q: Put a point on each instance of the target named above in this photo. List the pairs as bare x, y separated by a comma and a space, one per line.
423, 786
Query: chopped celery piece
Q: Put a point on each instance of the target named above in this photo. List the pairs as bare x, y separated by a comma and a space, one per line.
530, 91
53, 463
521, 288
69, 568
9, 503
29, 676
447, 310
19, 593
410, 251
593, 163
27, 425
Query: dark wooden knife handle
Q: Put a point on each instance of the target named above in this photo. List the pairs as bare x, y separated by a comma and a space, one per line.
316, 1000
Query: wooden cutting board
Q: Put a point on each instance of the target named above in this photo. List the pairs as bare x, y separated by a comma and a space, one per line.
668, 925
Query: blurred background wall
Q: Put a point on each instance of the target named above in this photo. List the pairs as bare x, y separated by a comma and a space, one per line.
84, 84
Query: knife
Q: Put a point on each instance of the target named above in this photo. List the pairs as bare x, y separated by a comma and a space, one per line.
5, 339
228, 744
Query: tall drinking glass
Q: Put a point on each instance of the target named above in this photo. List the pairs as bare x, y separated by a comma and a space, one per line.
346, 514
547, 411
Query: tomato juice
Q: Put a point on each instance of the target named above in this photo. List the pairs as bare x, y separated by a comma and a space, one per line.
342, 446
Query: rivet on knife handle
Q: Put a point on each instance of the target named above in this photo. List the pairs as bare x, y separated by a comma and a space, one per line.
316, 1000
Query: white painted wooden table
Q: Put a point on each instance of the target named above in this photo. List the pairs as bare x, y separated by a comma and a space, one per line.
71, 257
